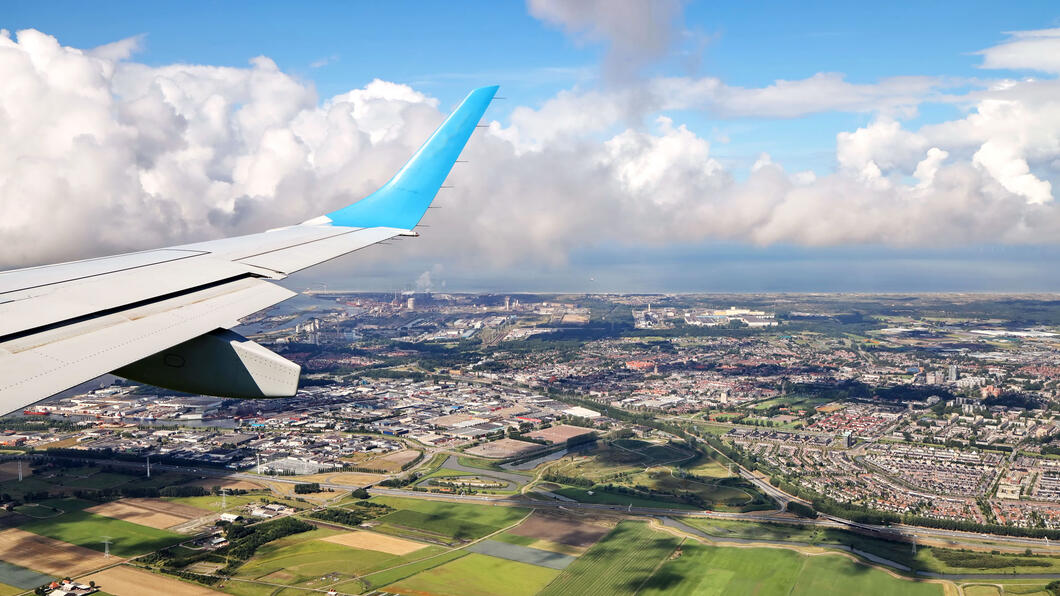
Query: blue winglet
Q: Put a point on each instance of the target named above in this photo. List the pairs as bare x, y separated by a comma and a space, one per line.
402, 201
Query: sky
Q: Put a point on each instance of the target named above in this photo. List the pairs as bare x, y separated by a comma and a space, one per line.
659, 146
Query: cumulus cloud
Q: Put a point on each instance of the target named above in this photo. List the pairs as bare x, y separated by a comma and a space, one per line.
106, 154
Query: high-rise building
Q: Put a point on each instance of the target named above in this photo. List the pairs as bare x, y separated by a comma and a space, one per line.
952, 374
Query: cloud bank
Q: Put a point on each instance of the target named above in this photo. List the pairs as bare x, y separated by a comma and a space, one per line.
104, 154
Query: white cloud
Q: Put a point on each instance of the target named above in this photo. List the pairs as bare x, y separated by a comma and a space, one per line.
1026, 50
636, 31
114, 155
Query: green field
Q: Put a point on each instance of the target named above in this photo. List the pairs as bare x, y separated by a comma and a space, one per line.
618, 564
926, 558
454, 520
451, 472
478, 575
85, 529
795, 402
767, 571
233, 502
653, 466
302, 558
606, 498
38, 511
398, 573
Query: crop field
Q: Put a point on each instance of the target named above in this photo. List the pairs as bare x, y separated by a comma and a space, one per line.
229, 483
212, 503
618, 564
981, 591
377, 542
82, 528
21, 577
153, 513
398, 573
129, 581
703, 569
477, 575
304, 557
522, 554
455, 520
927, 558
47, 555
564, 530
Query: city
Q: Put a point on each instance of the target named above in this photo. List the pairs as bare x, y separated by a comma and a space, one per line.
931, 412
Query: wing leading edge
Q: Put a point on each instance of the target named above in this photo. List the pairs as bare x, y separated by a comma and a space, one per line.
62, 325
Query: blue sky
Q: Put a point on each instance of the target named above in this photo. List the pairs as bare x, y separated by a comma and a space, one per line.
442, 49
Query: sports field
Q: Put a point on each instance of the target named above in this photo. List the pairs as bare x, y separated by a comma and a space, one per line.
477, 575
79, 527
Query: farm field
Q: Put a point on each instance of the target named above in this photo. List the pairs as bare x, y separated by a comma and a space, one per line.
927, 558
301, 558
124, 580
212, 503
229, 483
15, 576
563, 530
522, 554
47, 555
704, 569
377, 542
153, 513
395, 574
454, 520
477, 575
82, 528
618, 564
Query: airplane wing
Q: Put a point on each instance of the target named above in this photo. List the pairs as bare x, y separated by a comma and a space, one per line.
162, 316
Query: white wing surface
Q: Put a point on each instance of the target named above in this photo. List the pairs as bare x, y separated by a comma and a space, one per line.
160, 316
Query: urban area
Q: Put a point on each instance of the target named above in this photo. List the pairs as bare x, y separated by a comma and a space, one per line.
919, 433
